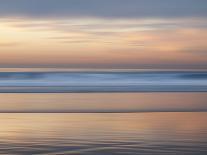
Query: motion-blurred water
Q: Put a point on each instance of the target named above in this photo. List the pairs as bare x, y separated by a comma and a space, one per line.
108, 81
93, 131
104, 134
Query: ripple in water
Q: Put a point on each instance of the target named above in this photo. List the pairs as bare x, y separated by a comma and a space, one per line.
135, 133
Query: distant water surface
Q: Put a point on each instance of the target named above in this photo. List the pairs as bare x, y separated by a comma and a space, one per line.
102, 81
104, 134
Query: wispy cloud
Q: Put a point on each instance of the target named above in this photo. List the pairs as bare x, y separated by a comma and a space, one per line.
8, 44
132, 33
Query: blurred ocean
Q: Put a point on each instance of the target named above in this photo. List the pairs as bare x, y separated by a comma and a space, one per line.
75, 112
104, 134
103, 81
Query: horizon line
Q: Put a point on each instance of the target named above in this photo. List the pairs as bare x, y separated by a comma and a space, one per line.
92, 112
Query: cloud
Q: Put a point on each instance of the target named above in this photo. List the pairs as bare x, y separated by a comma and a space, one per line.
8, 44
97, 38
104, 8
105, 26
196, 51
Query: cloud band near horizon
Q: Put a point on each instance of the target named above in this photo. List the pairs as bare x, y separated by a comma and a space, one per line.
105, 34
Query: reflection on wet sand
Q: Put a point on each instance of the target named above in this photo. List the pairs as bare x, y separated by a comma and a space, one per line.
102, 102
145, 133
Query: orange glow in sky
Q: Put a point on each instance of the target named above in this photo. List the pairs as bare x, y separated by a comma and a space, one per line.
28, 39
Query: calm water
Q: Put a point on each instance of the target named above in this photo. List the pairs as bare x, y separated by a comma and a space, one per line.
103, 102
120, 133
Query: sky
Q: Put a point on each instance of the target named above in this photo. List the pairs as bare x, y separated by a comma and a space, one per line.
153, 34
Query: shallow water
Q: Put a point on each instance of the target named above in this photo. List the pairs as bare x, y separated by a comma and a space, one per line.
98, 133
103, 102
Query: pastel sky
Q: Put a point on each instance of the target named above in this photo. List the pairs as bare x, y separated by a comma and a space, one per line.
104, 33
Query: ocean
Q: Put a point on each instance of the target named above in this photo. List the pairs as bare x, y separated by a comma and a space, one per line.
103, 112
103, 81
104, 133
